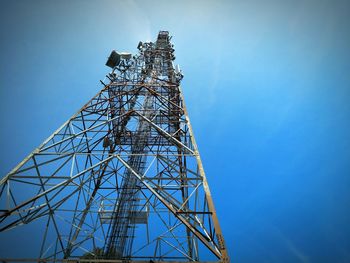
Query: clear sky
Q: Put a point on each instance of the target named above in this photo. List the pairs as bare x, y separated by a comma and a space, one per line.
267, 87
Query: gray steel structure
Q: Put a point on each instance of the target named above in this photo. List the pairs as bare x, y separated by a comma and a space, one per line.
122, 179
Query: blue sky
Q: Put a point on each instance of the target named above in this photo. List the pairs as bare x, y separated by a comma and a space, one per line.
267, 89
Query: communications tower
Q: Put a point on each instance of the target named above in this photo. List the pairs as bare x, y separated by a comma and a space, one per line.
120, 181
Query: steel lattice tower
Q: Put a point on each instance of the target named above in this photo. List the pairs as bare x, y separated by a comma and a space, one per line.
122, 179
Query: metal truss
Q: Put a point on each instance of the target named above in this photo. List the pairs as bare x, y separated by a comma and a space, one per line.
122, 179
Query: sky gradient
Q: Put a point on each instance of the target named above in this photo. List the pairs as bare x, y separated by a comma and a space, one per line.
267, 87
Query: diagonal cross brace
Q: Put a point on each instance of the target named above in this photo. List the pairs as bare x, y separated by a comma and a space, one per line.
173, 210
165, 134
63, 183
